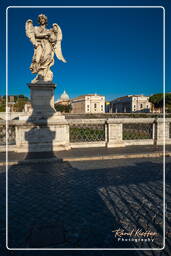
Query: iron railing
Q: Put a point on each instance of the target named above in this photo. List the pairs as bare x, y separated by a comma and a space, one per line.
87, 132
137, 131
11, 135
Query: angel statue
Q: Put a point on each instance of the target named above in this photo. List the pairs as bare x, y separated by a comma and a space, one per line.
46, 42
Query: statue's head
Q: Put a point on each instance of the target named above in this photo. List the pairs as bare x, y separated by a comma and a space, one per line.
42, 19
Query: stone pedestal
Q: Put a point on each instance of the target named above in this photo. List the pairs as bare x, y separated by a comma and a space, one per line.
45, 129
42, 136
42, 98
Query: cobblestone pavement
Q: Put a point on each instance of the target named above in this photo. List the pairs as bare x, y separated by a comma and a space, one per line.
85, 152
85, 202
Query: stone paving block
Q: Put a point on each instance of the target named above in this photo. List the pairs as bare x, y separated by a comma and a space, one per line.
89, 201
44, 236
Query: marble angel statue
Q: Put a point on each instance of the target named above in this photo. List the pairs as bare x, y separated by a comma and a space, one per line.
47, 43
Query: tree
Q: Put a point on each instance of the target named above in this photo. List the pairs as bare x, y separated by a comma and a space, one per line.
21, 96
19, 105
63, 108
168, 100
3, 105
68, 108
19, 100
157, 100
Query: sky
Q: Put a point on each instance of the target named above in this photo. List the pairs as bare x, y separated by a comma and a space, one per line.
109, 51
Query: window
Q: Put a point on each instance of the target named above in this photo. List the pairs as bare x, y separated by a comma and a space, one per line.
147, 106
101, 107
95, 105
141, 106
88, 107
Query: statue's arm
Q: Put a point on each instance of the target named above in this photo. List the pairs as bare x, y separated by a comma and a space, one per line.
42, 35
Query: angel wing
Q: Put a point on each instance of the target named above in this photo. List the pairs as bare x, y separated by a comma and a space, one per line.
57, 47
30, 31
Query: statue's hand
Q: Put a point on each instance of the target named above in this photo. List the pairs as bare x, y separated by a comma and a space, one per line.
48, 34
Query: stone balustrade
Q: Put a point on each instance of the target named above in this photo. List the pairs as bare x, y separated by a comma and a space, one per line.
12, 115
63, 134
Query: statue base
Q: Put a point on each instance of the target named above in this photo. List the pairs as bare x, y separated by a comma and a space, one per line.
45, 130
42, 99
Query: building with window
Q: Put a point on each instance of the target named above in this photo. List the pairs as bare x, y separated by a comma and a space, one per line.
89, 103
130, 103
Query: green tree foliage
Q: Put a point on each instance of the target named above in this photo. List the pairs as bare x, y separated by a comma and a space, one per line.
21, 96
3, 105
157, 100
63, 108
168, 100
68, 108
20, 102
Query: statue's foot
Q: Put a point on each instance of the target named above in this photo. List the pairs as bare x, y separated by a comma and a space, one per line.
34, 81
37, 79
49, 76
47, 80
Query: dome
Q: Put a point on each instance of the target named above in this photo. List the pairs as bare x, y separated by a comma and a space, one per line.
64, 96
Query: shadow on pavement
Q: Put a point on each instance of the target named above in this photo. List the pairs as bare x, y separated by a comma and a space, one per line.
54, 205
83, 205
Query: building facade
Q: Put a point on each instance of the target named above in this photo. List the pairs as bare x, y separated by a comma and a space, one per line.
28, 107
130, 103
89, 103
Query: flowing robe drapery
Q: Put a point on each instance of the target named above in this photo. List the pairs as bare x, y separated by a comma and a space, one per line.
43, 57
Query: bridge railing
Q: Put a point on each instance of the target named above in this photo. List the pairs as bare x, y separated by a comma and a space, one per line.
87, 132
78, 133
8, 132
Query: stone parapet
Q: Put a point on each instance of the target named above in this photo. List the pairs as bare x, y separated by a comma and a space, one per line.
54, 133
42, 136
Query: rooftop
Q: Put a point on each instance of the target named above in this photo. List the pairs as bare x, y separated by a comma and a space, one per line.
129, 96
84, 95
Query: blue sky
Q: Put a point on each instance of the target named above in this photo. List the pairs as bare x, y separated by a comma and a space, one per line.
110, 51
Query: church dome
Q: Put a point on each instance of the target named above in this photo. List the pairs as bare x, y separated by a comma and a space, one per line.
64, 96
